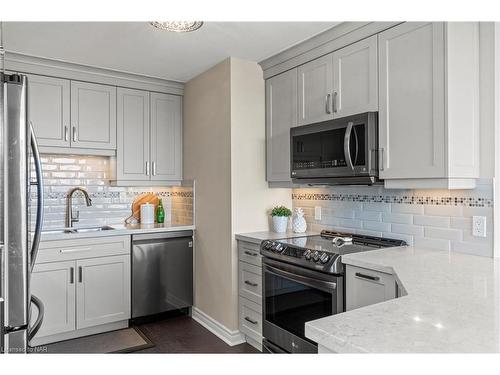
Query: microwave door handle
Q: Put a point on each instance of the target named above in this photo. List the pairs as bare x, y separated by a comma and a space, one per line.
357, 146
347, 145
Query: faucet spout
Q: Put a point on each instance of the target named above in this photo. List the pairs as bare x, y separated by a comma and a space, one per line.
70, 217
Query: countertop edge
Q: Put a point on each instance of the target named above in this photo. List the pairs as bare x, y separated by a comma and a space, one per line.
118, 231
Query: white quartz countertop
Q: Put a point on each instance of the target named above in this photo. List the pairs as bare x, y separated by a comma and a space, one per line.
118, 230
452, 305
258, 237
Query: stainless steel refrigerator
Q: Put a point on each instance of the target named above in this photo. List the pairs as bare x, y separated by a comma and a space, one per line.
18, 246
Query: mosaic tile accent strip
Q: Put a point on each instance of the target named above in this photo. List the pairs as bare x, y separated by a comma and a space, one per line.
416, 200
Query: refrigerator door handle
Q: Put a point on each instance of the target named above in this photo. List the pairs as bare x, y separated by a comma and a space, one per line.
39, 191
39, 319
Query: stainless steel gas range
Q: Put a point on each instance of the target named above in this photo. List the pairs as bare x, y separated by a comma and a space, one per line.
303, 280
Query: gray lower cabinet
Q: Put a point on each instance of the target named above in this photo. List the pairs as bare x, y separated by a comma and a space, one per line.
84, 285
281, 115
54, 284
250, 292
149, 138
366, 287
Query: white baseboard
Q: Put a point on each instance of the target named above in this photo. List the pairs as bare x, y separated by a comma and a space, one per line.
225, 334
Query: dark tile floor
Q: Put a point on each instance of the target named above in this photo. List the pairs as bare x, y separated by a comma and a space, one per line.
184, 335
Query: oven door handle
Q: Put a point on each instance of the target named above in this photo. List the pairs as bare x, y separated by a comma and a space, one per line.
347, 145
318, 284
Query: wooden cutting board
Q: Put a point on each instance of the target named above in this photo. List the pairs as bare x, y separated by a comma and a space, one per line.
142, 199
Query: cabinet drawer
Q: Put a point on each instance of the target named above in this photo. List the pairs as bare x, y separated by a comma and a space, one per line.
249, 252
82, 248
250, 319
366, 287
250, 282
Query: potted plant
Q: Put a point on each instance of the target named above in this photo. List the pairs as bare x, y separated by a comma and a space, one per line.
280, 215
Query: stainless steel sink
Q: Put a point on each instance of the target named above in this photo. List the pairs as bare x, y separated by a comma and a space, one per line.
78, 230
91, 229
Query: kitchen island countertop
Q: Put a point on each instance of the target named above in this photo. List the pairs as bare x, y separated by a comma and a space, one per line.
452, 305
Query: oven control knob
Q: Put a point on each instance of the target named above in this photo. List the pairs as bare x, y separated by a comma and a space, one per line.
308, 254
315, 256
279, 248
324, 258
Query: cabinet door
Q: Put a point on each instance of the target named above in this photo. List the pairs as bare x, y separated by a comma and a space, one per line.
93, 116
281, 115
132, 148
54, 285
366, 287
48, 109
412, 101
166, 137
315, 90
103, 290
355, 78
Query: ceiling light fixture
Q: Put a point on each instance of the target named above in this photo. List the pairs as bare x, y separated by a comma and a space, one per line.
178, 26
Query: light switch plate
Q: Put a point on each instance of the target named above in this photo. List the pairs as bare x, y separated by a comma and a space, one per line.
317, 213
479, 226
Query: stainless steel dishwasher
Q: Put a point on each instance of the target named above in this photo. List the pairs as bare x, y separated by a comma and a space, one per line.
162, 272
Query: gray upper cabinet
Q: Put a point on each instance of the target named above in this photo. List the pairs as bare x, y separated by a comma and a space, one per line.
149, 136
355, 78
132, 158
281, 115
49, 109
428, 117
93, 115
315, 90
411, 103
166, 137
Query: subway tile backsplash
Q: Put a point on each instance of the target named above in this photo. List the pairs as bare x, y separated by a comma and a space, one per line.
110, 205
436, 219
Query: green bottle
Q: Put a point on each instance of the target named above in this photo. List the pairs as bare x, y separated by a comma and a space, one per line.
160, 212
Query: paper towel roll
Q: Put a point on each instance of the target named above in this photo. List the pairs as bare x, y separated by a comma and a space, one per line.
147, 213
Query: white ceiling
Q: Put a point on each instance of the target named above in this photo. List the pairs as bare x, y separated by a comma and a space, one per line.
137, 47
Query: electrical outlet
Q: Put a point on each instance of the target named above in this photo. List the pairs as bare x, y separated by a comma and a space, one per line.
479, 226
317, 213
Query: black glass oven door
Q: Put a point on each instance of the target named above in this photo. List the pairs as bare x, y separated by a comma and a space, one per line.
292, 300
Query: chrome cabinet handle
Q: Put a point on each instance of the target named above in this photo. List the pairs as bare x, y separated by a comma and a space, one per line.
250, 283
250, 320
74, 133
66, 134
334, 102
327, 104
381, 153
71, 275
154, 168
80, 274
250, 253
78, 250
147, 168
368, 277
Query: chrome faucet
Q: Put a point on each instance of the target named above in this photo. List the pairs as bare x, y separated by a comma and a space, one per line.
75, 217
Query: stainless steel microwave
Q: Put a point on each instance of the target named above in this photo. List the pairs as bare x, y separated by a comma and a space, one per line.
343, 151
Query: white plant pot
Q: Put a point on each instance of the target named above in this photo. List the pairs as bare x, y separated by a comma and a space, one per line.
280, 224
